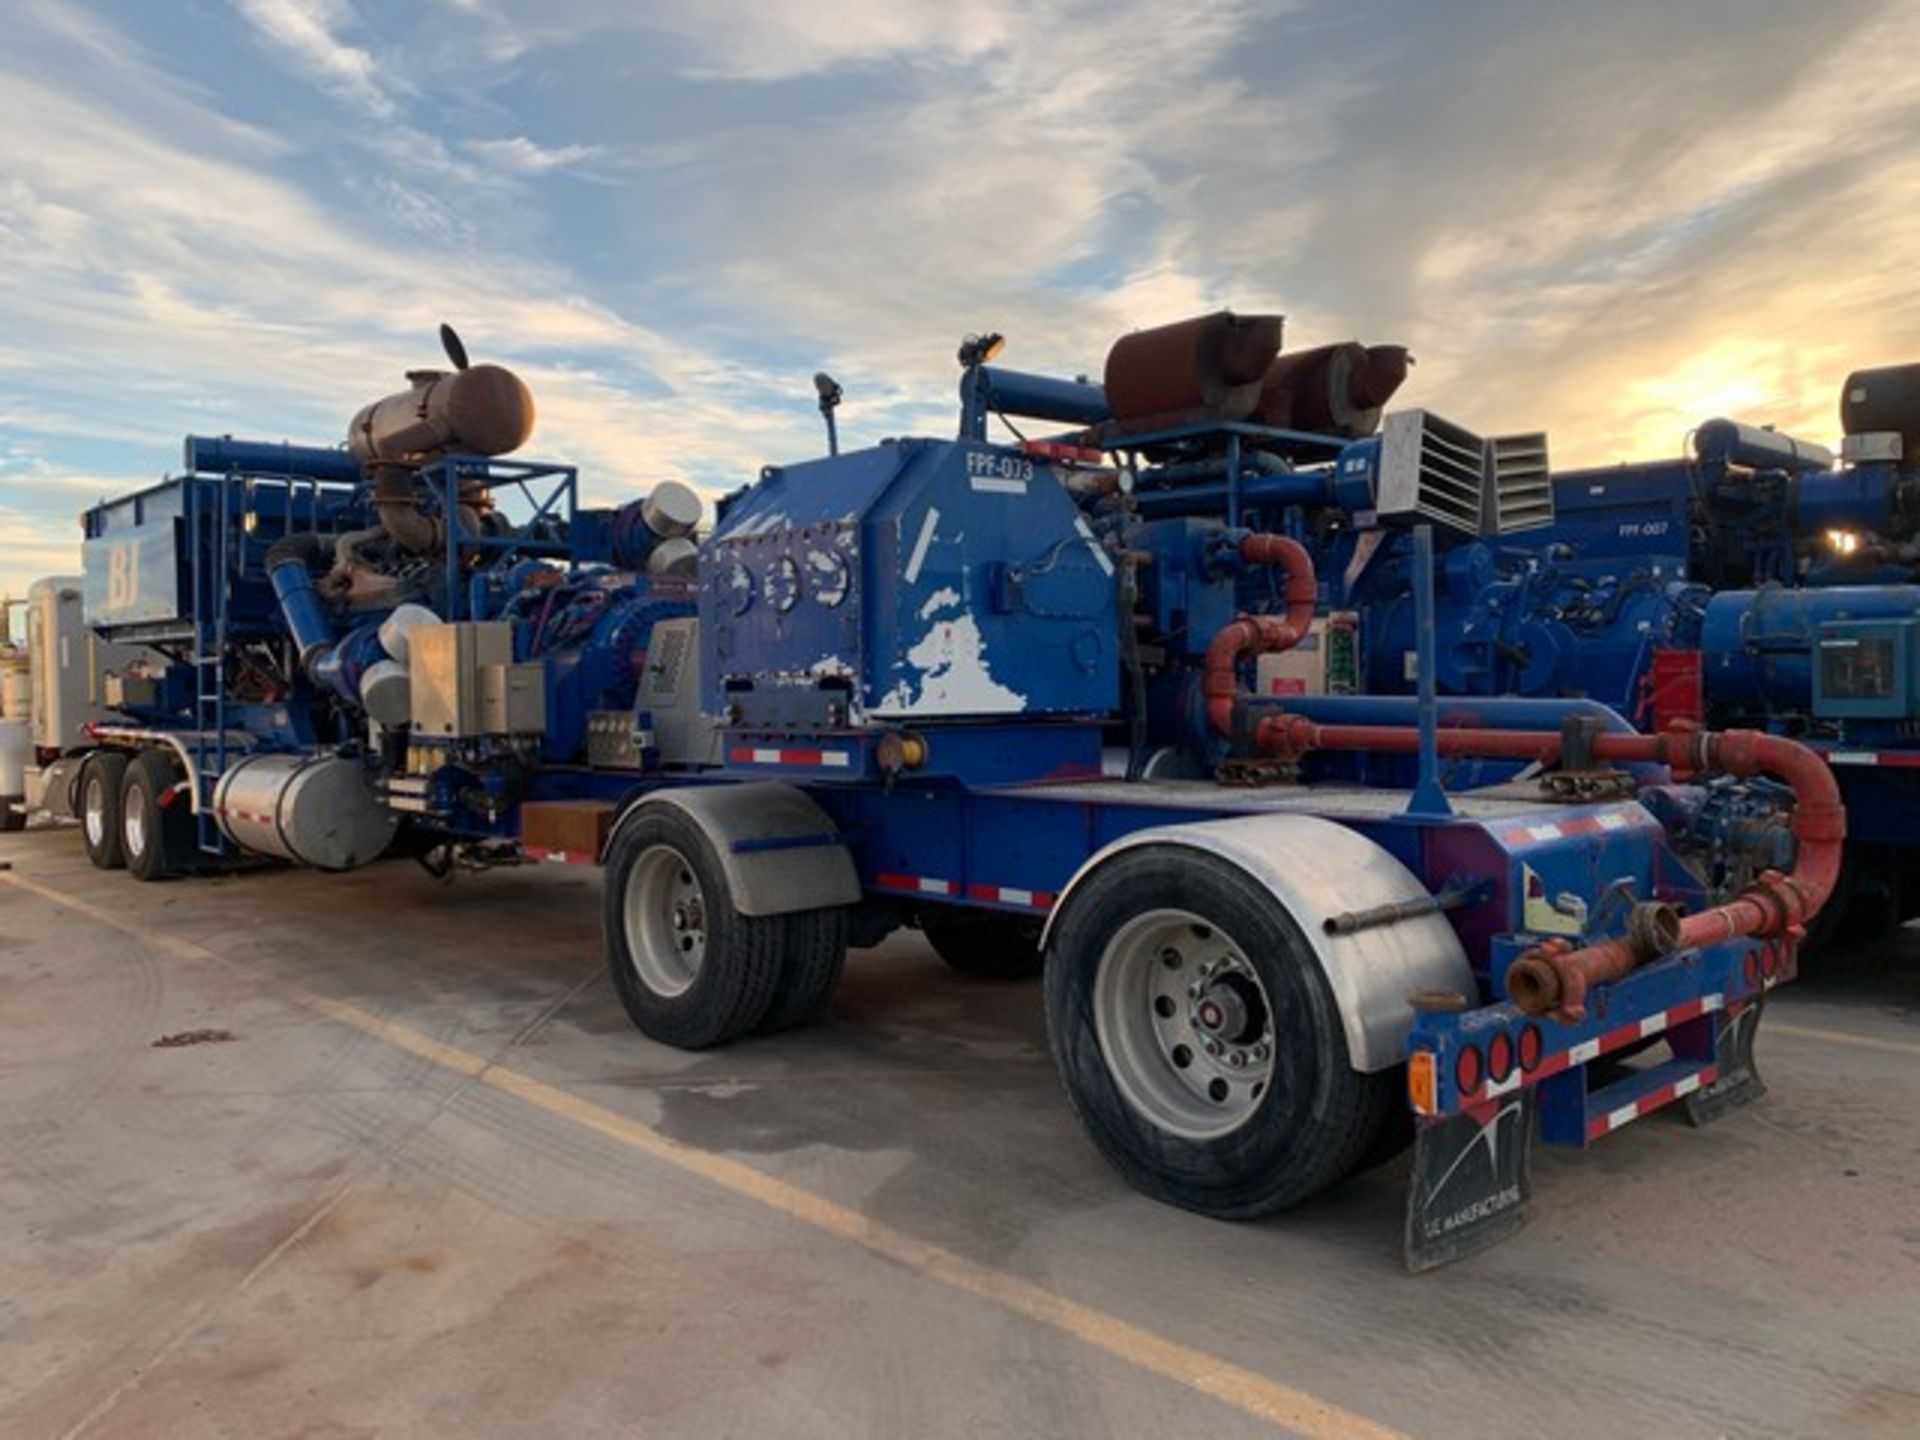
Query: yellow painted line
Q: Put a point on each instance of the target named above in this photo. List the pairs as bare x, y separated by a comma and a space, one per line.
1245, 1390
1839, 1037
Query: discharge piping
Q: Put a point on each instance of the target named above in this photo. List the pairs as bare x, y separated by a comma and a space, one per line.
1259, 634
1554, 978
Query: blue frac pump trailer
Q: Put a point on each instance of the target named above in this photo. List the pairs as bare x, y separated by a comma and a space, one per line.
1758, 581
1063, 691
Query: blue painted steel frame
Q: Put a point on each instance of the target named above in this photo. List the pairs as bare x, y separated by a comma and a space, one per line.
558, 504
1677, 1000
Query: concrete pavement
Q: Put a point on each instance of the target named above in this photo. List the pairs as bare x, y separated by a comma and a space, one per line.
435, 1184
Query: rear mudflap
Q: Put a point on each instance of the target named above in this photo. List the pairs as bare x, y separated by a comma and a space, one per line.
1472, 1180
1738, 1081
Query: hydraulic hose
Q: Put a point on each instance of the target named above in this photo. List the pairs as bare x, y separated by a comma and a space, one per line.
1554, 978
1259, 634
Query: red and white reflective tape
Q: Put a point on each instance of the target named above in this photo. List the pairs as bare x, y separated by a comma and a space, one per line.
1606, 1124
918, 884
1605, 821
1897, 759
1008, 895
558, 857
1620, 1036
818, 759
246, 817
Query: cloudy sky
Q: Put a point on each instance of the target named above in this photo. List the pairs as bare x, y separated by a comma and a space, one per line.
247, 216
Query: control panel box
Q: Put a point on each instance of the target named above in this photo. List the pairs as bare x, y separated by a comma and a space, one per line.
1866, 669
446, 664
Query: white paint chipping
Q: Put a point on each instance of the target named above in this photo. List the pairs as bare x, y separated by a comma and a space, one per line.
954, 678
761, 524
919, 555
1099, 551
938, 600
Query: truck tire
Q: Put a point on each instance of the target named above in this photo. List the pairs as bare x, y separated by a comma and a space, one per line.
1200, 1045
155, 838
816, 952
1388, 1121
691, 970
100, 783
13, 813
983, 942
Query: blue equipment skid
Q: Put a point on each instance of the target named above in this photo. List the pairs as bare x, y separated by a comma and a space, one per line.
1081, 706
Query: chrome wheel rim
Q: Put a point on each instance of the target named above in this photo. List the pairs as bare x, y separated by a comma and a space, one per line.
133, 828
94, 813
666, 921
1184, 1023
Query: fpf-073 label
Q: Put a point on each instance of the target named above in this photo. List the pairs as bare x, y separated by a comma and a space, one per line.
998, 474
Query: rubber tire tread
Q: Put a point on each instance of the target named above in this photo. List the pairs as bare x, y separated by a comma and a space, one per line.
111, 767
1318, 1117
169, 827
735, 986
14, 817
816, 953
1389, 1130
984, 942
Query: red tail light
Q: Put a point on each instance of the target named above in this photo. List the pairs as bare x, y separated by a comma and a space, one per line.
1500, 1057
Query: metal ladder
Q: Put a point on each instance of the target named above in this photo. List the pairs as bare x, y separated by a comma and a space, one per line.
209, 557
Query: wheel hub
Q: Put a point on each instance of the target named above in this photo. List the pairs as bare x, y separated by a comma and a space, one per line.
1184, 1024
1231, 1010
666, 921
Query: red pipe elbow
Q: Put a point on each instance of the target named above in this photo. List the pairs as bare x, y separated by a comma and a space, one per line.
1259, 634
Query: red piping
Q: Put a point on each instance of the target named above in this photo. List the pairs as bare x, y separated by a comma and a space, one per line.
1259, 634
1554, 978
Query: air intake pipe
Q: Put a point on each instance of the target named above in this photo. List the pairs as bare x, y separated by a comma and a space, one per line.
367, 666
289, 565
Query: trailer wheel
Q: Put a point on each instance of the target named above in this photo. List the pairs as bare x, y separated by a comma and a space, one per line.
692, 971
983, 942
156, 839
816, 952
100, 783
1200, 1045
13, 814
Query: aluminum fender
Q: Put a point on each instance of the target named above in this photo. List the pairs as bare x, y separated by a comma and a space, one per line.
240, 745
781, 851
1317, 869
51, 788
